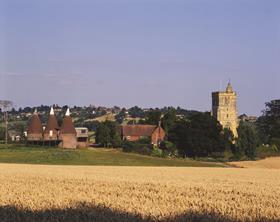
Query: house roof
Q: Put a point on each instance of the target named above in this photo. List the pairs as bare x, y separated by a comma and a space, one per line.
35, 125
137, 130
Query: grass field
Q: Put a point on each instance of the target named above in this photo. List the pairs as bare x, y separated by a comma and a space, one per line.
32, 193
97, 156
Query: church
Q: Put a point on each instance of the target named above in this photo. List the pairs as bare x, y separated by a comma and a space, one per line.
224, 108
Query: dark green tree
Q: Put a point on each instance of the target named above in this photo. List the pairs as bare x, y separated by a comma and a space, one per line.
169, 120
107, 134
103, 135
121, 116
248, 140
268, 125
200, 135
136, 112
2, 133
153, 117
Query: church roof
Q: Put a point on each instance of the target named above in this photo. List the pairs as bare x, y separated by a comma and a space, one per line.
35, 125
67, 124
229, 88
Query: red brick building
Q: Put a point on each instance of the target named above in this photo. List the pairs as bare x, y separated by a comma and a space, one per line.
135, 132
67, 133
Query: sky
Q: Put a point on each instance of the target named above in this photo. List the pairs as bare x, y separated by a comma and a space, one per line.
150, 53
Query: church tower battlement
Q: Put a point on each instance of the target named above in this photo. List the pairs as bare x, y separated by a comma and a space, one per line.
224, 108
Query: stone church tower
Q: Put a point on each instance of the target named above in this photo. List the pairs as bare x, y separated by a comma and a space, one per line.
224, 108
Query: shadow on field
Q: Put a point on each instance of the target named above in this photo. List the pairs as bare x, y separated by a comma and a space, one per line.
84, 213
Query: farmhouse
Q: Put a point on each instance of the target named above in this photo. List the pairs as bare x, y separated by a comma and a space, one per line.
135, 132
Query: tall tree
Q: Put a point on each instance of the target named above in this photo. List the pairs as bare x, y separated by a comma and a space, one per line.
107, 135
169, 120
153, 117
268, 124
200, 135
248, 140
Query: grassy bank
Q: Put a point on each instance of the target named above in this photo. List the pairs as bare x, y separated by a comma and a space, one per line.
98, 157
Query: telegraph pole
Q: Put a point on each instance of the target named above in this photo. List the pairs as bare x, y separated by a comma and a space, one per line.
6, 126
5, 107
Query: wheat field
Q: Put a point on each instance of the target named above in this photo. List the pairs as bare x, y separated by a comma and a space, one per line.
80, 193
267, 163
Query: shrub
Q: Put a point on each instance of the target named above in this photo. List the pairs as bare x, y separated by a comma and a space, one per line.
136, 147
169, 148
264, 151
157, 152
276, 142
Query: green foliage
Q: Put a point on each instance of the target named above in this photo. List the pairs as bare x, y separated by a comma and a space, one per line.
248, 140
2, 133
199, 136
107, 135
153, 117
157, 152
169, 120
264, 151
136, 112
275, 142
121, 116
169, 148
269, 124
116, 140
144, 140
136, 147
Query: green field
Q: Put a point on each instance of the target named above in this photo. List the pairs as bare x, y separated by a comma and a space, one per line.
91, 156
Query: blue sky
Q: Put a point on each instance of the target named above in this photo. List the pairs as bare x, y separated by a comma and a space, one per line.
150, 53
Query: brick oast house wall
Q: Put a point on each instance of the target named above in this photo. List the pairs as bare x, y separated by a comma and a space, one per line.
68, 134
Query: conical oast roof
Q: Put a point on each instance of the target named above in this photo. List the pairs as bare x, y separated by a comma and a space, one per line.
35, 125
52, 123
67, 124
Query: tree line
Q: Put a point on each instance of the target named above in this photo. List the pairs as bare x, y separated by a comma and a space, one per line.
198, 134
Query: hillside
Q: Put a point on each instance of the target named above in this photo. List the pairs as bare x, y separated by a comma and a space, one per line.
91, 156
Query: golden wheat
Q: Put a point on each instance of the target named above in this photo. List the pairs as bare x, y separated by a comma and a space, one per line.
80, 193
268, 163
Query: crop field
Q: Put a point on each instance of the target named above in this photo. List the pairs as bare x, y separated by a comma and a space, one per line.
268, 163
98, 193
